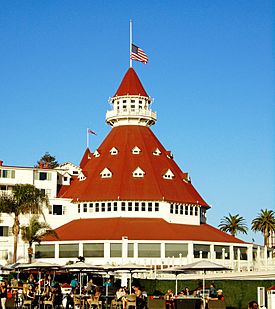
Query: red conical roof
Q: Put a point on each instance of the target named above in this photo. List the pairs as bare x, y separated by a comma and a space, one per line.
131, 85
122, 185
152, 229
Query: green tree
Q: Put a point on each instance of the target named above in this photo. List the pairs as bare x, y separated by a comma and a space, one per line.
265, 223
34, 232
24, 199
47, 161
233, 224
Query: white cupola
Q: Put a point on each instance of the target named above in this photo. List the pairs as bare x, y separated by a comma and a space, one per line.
131, 104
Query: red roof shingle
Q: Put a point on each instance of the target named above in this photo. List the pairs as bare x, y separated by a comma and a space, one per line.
131, 85
139, 229
122, 185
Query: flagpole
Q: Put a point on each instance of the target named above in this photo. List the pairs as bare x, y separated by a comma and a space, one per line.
131, 42
87, 137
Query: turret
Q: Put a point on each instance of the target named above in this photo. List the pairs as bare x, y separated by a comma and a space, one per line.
131, 104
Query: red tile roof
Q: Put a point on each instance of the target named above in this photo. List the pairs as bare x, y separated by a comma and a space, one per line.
122, 185
85, 158
139, 229
131, 85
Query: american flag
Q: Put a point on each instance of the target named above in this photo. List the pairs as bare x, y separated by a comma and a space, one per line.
138, 54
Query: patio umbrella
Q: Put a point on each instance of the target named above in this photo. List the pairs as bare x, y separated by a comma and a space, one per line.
37, 265
40, 266
176, 271
204, 266
82, 267
131, 268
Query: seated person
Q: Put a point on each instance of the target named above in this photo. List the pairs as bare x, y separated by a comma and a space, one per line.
97, 294
253, 305
212, 292
47, 294
219, 296
30, 293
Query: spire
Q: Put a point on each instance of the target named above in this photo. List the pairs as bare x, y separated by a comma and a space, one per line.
131, 104
131, 85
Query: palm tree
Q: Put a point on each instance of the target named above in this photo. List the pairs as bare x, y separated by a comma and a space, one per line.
233, 224
265, 223
34, 232
23, 199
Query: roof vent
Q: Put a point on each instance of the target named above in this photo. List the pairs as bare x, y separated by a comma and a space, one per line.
113, 151
169, 154
81, 176
138, 172
156, 152
136, 150
168, 175
96, 154
106, 173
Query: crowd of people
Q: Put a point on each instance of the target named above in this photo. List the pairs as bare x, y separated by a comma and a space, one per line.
212, 294
45, 292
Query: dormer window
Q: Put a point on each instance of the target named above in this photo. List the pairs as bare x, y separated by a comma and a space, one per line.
96, 154
168, 175
169, 155
138, 172
136, 150
113, 151
156, 152
106, 173
81, 176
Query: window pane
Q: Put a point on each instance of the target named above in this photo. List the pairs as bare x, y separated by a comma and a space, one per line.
203, 248
68, 251
44, 251
93, 250
243, 253
148, 250
115, 250
219, 250
4, 231
176, 249
130, 250
57, 210
42, 176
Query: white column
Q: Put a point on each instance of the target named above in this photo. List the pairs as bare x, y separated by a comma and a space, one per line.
231, 252
190, 255
80, 248
56, 251
124, 249
212, 252
107, 249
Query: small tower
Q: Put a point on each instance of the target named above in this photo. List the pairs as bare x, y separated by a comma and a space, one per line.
131, 104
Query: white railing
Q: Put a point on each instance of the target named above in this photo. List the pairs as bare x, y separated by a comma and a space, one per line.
129, 113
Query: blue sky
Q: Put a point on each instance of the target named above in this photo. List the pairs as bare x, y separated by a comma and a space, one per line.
209, 72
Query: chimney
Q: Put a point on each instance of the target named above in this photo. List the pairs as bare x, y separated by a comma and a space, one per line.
41, 165
46, 165
1, 162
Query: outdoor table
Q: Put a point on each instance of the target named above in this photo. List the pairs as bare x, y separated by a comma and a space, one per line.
82, 299
187, 303
156, 303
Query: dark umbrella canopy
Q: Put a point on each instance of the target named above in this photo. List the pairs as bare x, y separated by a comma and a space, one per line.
176, 271
81, 266
37, 265
131, 268
204, 265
